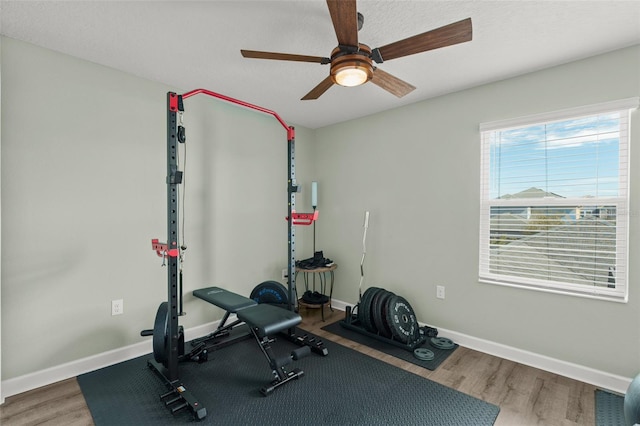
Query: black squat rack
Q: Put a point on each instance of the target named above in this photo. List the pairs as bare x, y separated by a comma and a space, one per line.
168, 335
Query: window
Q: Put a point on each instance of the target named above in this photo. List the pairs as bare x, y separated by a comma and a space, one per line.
554, 196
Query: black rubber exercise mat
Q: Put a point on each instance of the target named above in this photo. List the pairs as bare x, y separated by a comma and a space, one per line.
342, 388
439, 354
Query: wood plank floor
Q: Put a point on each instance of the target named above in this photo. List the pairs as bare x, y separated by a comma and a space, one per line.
526, 396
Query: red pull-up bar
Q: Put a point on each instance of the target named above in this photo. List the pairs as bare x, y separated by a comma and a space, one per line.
290, 130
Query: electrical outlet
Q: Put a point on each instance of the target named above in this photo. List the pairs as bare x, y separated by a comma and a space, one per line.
440, 292
285, 274
117, 307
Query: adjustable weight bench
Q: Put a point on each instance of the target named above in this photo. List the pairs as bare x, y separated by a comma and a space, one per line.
231, 303
263, 320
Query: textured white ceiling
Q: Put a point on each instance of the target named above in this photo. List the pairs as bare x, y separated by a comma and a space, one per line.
190, 45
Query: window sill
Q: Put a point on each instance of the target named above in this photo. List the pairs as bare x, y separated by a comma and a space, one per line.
595, 294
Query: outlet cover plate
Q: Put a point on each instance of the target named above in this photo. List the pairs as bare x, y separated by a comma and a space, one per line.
117, 307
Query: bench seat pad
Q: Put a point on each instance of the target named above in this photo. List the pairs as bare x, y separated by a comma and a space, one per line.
268, 319
227, 300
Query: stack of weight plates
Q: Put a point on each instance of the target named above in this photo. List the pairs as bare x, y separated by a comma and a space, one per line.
384, 313
424, 354
442, 343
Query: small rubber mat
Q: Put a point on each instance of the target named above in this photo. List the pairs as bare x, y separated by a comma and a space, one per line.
439, 355
609, 409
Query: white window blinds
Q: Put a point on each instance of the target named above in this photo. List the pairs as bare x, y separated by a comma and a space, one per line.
554, 196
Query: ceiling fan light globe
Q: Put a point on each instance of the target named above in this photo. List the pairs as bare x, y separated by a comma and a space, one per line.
351, 77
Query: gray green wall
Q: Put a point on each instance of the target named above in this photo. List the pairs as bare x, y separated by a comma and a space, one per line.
83, 194
83, 172
1, 397
417, 168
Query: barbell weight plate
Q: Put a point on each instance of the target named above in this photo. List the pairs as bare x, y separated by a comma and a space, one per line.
376, 319
372, 296
379, 313
401, 319
161, 333
271, 292
364, 311
424, 354
386, 319
442, 343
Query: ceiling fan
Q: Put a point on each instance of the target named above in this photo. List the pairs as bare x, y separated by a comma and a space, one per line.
352, 63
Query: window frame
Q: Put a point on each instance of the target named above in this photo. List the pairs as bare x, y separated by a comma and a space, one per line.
621, 292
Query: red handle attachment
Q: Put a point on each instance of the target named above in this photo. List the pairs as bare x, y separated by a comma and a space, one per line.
303, 218
162, 249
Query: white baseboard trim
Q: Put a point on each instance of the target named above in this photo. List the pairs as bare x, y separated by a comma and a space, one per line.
65, 371
582, 373
578, 372
340, 305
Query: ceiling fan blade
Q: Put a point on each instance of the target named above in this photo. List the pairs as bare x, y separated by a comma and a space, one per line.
317, 91
457, 32
391, 83
344, 16
283, 56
